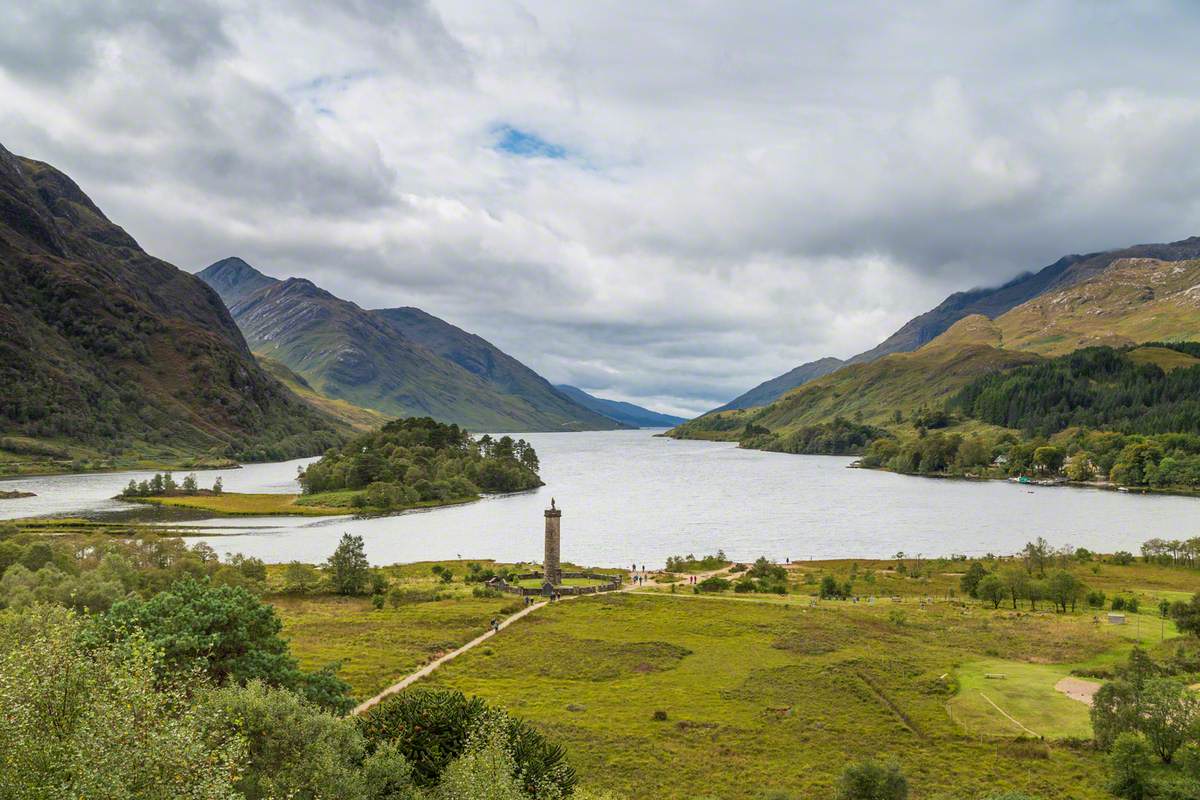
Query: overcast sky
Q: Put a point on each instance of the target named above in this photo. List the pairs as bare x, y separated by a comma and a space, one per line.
660, 202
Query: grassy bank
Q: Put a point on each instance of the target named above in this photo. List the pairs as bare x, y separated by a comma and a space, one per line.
328, 504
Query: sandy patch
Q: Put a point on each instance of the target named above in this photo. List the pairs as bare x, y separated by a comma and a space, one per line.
1078, 689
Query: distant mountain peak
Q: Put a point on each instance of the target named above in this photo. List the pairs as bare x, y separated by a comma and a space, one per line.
626, 413
234, 280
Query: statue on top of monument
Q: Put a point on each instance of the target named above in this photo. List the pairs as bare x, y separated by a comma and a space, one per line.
552, 503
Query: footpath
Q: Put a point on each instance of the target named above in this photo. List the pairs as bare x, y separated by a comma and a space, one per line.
432, 666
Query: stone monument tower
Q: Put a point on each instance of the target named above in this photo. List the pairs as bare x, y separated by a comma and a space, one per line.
553, 568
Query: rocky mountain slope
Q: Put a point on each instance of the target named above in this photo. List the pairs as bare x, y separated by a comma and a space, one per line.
993, 302
105, 347
630, 414
399, 362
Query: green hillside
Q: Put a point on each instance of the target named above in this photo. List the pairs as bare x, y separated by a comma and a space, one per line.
883, 392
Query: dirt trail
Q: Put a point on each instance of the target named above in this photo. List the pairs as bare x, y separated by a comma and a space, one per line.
429, 668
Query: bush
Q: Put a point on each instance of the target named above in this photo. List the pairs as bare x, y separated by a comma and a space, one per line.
1123, 557
101, 721
486, 591
398, 596
869, 780
432, 727
713, 584
1096, 598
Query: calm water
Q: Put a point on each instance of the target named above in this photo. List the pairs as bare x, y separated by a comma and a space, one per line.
628, 496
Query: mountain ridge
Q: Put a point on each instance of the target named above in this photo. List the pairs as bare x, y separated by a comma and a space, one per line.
991, 302
627, 413
399, 362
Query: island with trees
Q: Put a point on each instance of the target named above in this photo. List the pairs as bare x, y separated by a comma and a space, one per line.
407, 463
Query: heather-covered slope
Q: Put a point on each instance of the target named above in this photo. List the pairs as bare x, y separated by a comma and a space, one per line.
106, 348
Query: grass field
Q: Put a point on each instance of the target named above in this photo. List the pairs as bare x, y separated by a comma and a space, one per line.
375, 647
329, 504
1025, 692
779, 695
235, 504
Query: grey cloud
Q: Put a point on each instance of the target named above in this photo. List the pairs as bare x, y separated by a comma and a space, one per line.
756, 185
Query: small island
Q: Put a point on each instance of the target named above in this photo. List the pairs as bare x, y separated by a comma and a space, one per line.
14, 495
406, 464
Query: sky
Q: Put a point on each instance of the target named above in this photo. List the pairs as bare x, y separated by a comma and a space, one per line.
664, 203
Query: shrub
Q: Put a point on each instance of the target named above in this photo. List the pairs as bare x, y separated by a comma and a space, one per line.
486, 591
869, 780
713, 584
101, 721
1122, 557
1118, 604
1096, 598
432, 727
398, 596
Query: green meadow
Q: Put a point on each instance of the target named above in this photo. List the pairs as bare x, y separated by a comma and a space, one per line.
678, 695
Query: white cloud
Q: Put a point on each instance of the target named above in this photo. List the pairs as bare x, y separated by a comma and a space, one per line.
747, 185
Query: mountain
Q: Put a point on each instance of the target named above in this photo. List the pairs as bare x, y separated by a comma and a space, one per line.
1067, 271
492, 365
873, 392
108, 351
234, 279
626, 413
398, 362
775, 388
1133, 300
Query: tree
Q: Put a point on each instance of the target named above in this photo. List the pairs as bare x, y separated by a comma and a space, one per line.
485, 771
869, 780
226, 631
992, 589
295, 750
969, 582
1129, 768
1187, 615
1065, 589
1114, 712
300, 578
349, 569
189, 484
1016, 582
101, 721
218, 486
1048, 459
1037, 555
433, 727
1168, 716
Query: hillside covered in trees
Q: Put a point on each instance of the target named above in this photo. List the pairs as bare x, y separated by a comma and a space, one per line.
1097, 387
420, 460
